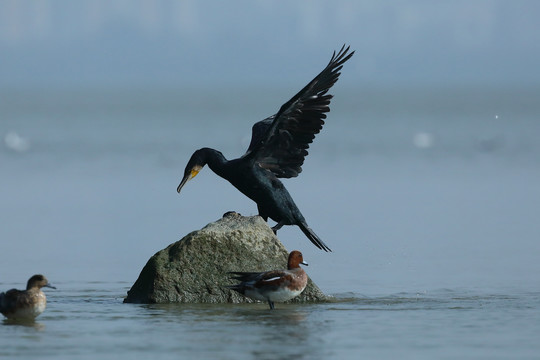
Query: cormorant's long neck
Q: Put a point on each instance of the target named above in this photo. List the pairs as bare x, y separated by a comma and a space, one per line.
215, 160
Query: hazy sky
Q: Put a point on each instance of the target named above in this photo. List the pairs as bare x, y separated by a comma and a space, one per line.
121, 43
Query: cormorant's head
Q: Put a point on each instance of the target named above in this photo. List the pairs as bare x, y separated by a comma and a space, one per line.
194, 165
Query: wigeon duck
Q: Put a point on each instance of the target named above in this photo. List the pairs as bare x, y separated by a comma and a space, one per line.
25, 304
275, 285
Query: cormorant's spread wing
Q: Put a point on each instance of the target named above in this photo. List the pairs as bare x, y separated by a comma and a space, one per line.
258, 132
279, 143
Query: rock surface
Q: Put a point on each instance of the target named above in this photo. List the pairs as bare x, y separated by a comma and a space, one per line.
194, 269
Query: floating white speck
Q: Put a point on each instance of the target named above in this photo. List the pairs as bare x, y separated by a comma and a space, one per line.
423, 140
496, 116
15, 142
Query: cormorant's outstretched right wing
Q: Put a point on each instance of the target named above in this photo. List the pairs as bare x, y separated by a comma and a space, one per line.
279, 143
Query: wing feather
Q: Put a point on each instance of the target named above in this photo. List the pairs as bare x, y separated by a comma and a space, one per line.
280, 142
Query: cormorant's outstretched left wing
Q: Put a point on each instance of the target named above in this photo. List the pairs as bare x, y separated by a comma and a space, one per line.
279, 143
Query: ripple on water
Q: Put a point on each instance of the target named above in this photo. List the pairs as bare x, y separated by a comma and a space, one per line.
88, 320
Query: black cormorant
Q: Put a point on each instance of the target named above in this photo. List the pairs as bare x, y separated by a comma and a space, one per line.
278, 147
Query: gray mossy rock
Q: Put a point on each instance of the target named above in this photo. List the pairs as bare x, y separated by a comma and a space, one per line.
195, 269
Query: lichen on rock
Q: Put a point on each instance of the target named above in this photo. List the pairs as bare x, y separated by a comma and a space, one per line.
195, 269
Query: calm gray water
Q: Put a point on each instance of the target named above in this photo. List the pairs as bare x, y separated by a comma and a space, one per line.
429, 199
88, 321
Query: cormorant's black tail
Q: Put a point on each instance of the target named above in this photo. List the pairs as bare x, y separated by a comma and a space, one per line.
313, 237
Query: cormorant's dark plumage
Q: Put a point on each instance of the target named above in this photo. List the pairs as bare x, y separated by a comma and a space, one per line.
278, 148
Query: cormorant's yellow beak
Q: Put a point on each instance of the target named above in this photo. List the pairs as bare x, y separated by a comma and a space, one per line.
188, 176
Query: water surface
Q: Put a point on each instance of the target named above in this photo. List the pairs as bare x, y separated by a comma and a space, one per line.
89, 320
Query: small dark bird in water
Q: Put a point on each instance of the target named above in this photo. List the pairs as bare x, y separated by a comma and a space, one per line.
25, 304
274, 285
278, 147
